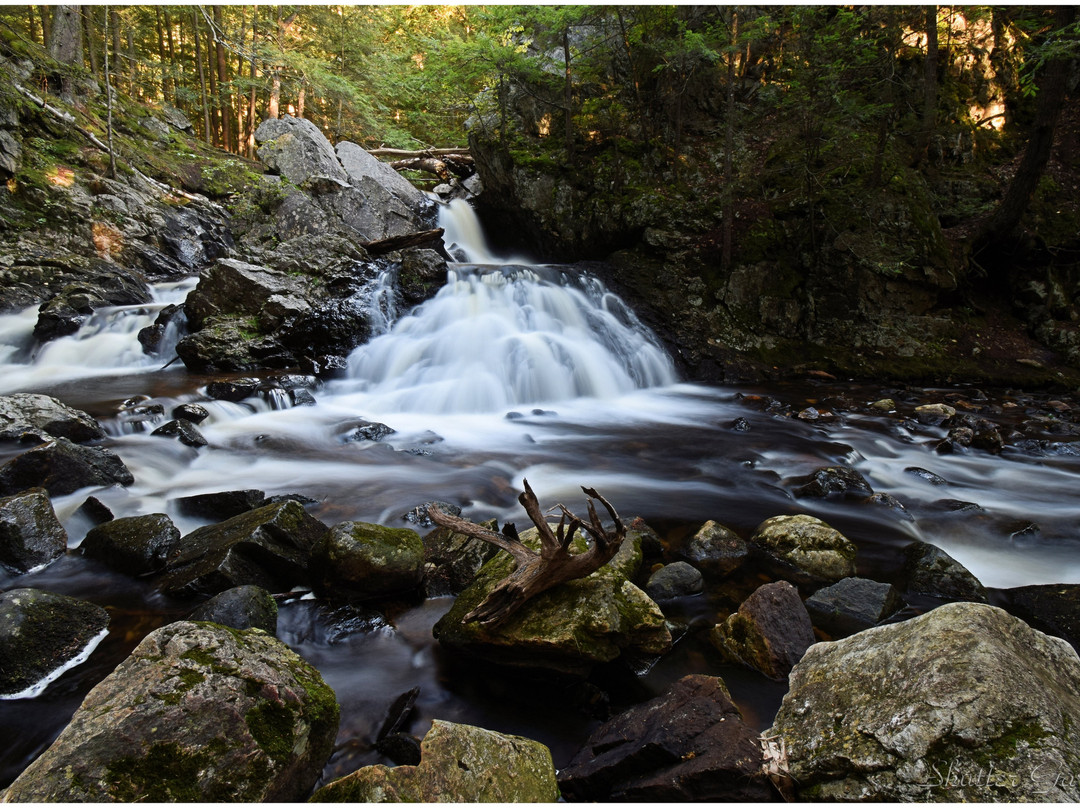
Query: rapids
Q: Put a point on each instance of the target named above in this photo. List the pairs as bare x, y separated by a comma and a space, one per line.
513, 370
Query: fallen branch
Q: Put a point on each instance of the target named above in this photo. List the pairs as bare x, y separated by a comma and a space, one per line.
460, 164
406, 153
432, 238
553, 565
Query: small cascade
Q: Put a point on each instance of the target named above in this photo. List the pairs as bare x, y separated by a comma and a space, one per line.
379, 300
463, 235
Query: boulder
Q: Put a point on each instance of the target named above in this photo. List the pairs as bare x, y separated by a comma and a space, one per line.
458, 763
569, 628
30, 534
934, 414
368, 173
1053, 608
42, 634
196, 713
675, 580
43, 417
852, 605
195, 413
964, 703
296, 149
241, 607
267, 547
715, 549
688, 745
421, 274
929, 570
232, 389
235, 288
363, 560
769, 633
62, 467
135, 545
453, 560
835, 481
184, 431
808, 546
220, 505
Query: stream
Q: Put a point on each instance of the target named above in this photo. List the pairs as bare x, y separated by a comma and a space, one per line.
513, 371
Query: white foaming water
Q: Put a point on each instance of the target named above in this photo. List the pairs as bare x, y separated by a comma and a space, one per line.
106, 343
463, 232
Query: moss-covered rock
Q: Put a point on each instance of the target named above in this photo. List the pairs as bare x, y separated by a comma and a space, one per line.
364, 560
458, 763
42, 633
136, 545
808, 545
569, 628
964, 703
196, 713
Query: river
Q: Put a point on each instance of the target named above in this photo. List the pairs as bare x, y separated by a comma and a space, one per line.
514, 370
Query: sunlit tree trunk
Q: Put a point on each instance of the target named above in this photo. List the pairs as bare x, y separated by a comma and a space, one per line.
223, 95
207, 132
46, 25
31, 23
65, 41
251, 92
167, 92
90, 36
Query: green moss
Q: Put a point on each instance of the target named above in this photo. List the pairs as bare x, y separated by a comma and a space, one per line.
166, 773
271, 725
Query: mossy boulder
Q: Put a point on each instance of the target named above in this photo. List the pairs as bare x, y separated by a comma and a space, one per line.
267, 547
136, 545
458, 763
807, 546
41, 634
30, 533
364, 560
569, 628
196, 713
964, 703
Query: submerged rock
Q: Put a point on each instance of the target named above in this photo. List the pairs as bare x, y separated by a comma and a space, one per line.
196, 713
769, 633
458, 763
220, 504
42, 417
688, 745
363, 560
30, 533
964, 703
832, 481
63, 467
569, 628
184, 431
808, 545
40, 633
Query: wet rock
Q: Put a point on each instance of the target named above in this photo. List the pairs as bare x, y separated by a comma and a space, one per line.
1053, 608
964, 703
838, 481
296, 149
421, 275
740, 425
267, 547
884, 500
419, 514
769, 633
95, 511
808, 545
184, 431
151, 336
194, 413
62, 467
715, 549
927, 475
196, 713
135, 545
30, 534
367, 430
301, 397
403, 749
884, 405
453, 560
929, 570
40, 634
42, 417
688, 745
569, 628
327, 366
363, 560
219, 505
956, 506
458, 763
852, 605
958, 439
675, 580
241, 607
232, 390
235, 288
934, 414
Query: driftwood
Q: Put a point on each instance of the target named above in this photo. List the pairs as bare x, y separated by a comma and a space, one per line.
429, 238
553, 565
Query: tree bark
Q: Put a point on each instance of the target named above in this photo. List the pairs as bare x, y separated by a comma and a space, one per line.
89, 36
251, 93
167, 92
930, 86
65, 42
224, 99
46, 26
108, 102
432, 238
729, 146
207, 134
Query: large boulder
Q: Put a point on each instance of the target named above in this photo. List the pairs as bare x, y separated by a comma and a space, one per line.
807, 546
236, 288
196, 713
296, 149
769, 633
267, 547
30, 534
42, 634
62, 467
371, 175
136, 545
42, 417
364, 560
964, 703
458, 763
569, 628
688, 745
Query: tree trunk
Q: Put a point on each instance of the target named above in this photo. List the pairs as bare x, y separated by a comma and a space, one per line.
568, 97
46, 26
207, 134
251, 93
114, 23
132, 63
108, 102
729, 146
32, 21
167, 92
224, 98
65, 42
1052, 89
300, 98
930, 86
89, 36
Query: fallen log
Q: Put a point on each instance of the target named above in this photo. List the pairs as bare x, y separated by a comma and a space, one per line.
424, 238
406, 153
553, 565
460, 164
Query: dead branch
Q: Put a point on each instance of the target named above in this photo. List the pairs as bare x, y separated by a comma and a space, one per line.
404, 154
423, 238
553, 565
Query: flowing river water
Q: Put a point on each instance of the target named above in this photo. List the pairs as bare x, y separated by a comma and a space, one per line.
513, 370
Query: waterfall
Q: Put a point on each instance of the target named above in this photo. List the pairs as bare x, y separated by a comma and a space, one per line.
463, 235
